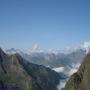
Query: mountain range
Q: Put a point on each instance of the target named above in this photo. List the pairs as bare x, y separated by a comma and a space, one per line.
54, 58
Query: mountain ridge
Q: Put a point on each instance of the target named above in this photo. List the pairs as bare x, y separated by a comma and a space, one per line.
17, 72
36, 49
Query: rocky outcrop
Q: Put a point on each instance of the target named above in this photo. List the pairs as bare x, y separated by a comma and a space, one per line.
81, 79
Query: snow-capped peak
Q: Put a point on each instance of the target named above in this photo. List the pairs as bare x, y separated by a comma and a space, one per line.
84, 46
36, 48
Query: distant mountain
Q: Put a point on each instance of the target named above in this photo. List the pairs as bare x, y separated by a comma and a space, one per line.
36, 49
50, 59
54, 58
18, 74
81, 79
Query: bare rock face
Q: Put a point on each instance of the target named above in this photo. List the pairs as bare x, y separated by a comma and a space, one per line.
12, 74
81, 79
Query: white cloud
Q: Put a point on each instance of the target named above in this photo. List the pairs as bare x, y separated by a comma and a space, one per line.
67, 71
85, 46
61, 84
59, 69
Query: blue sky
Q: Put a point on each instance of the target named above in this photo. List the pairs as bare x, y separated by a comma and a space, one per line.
50, 23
